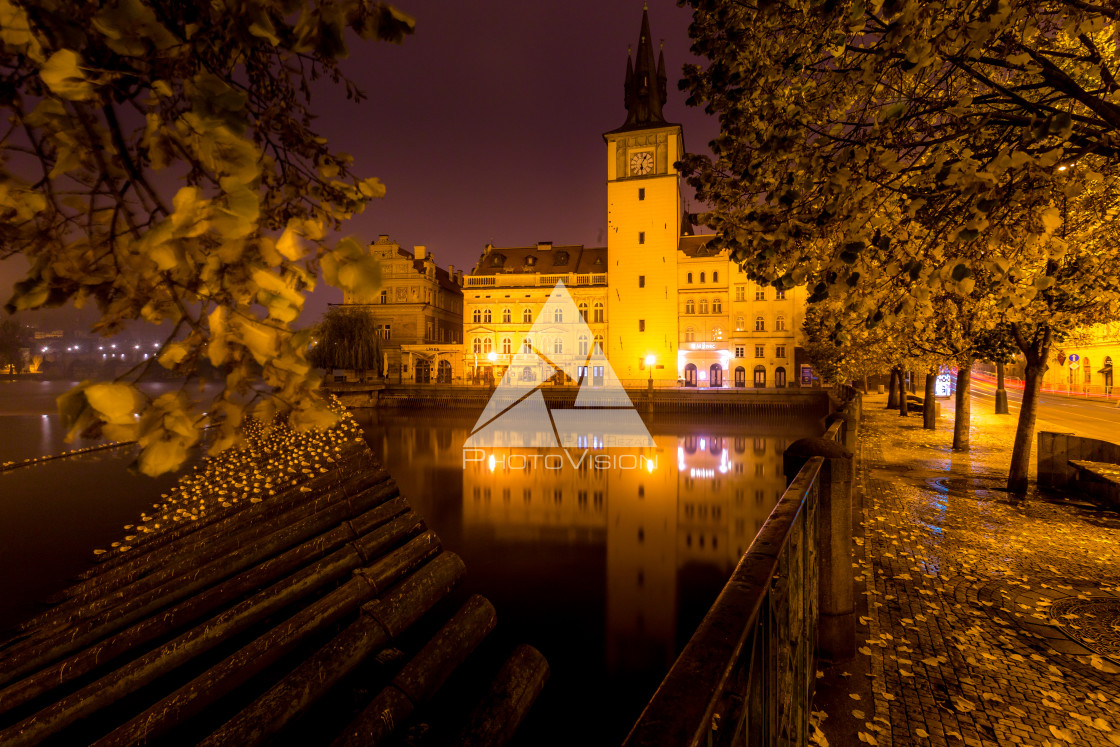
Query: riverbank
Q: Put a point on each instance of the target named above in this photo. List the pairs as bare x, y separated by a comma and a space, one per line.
982, 620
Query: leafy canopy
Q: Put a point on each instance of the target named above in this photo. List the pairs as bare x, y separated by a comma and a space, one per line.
888, 153
160, 162
347, 337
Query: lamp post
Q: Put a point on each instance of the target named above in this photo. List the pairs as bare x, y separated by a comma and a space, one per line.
492, 357
651, 359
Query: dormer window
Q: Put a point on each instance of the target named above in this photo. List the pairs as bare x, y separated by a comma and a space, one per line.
560, 259
530, 261
497, 260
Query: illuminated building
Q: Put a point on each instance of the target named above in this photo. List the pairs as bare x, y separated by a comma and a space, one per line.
418, 310
655, 289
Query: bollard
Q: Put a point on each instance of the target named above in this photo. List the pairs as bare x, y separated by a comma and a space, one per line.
836, 631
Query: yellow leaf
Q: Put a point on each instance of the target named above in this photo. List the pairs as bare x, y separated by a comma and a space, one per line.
289, 245
173, 354
63, 76
115, 403
162, 456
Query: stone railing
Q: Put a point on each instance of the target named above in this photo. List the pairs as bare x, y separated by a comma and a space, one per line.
524, 280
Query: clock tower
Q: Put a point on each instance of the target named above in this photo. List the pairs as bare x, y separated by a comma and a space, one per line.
643, 208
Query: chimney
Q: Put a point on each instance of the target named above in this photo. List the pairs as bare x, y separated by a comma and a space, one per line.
451, 271
420, 252
544, 246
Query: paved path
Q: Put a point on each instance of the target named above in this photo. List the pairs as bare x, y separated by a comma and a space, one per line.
965, 595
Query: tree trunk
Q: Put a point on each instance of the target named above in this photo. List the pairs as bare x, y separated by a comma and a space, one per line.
892, 390
1001, 393
866, 390
963, 410
929, 406
1035, 354
904, 396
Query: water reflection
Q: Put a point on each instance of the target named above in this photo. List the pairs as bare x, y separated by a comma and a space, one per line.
629, 551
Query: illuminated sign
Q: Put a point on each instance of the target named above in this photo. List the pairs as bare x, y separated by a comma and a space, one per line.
702, 345
943, 387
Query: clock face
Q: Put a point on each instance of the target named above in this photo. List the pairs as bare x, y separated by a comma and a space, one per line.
641, 163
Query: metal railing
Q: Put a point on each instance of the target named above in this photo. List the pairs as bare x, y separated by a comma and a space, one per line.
746, 675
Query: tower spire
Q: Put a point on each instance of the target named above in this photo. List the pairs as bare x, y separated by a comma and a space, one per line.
645, 82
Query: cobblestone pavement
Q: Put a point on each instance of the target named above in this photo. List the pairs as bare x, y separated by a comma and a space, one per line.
986, 621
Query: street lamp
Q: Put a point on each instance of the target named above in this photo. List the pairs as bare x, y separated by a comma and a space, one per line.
650, 360
492, 357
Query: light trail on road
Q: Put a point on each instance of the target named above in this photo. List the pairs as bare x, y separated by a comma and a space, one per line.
1090, 418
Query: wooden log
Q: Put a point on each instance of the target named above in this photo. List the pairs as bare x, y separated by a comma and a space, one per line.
238, 668
381, 621
190, 610
200, 639
495, 720
199, 562
422, 677
206, 545
137, 601
355, 457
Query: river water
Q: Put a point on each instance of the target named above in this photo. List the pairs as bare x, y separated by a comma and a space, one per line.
54, 514
606, 571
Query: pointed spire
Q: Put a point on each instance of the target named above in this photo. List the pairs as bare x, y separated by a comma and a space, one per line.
688, 228
645, 82
661, 78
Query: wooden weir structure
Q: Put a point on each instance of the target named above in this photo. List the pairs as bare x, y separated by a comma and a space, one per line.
324, 615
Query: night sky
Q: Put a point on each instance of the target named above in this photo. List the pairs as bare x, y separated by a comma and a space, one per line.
486, 124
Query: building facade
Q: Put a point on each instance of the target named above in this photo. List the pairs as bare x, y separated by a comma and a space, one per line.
418, 311
509, 289
661, 305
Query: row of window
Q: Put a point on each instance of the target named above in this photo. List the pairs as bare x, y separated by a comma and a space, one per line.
690, 334
555, 345
485, 315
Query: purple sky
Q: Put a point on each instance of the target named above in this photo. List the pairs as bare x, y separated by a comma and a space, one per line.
486, 125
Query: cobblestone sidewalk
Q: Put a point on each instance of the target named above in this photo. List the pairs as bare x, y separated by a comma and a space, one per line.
986, 622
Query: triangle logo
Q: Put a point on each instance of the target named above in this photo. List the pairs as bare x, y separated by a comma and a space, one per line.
559, 346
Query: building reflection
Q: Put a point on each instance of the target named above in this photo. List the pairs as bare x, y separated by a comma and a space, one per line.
674, 523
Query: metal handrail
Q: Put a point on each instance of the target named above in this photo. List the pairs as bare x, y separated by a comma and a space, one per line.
746, 675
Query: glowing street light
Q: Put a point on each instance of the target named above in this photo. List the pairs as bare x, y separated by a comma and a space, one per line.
650, 360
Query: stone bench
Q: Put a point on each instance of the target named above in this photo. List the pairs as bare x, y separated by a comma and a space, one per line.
1101, 479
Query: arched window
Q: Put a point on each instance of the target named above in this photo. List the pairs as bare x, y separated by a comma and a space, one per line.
690, 277
717, 333
689, 334
527, 316
558, 345
583, 310
476, 346
701, 277
740, 323
558, 315
715, 277
507, 346
780, 323
599, 342
507, 315
527, 345
476, 316
486, 316
583, 345
717, 306
759, 324
703, 306
487, 346
597, 309
690, 306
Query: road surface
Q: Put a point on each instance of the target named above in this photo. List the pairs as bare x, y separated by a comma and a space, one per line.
1081, 416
